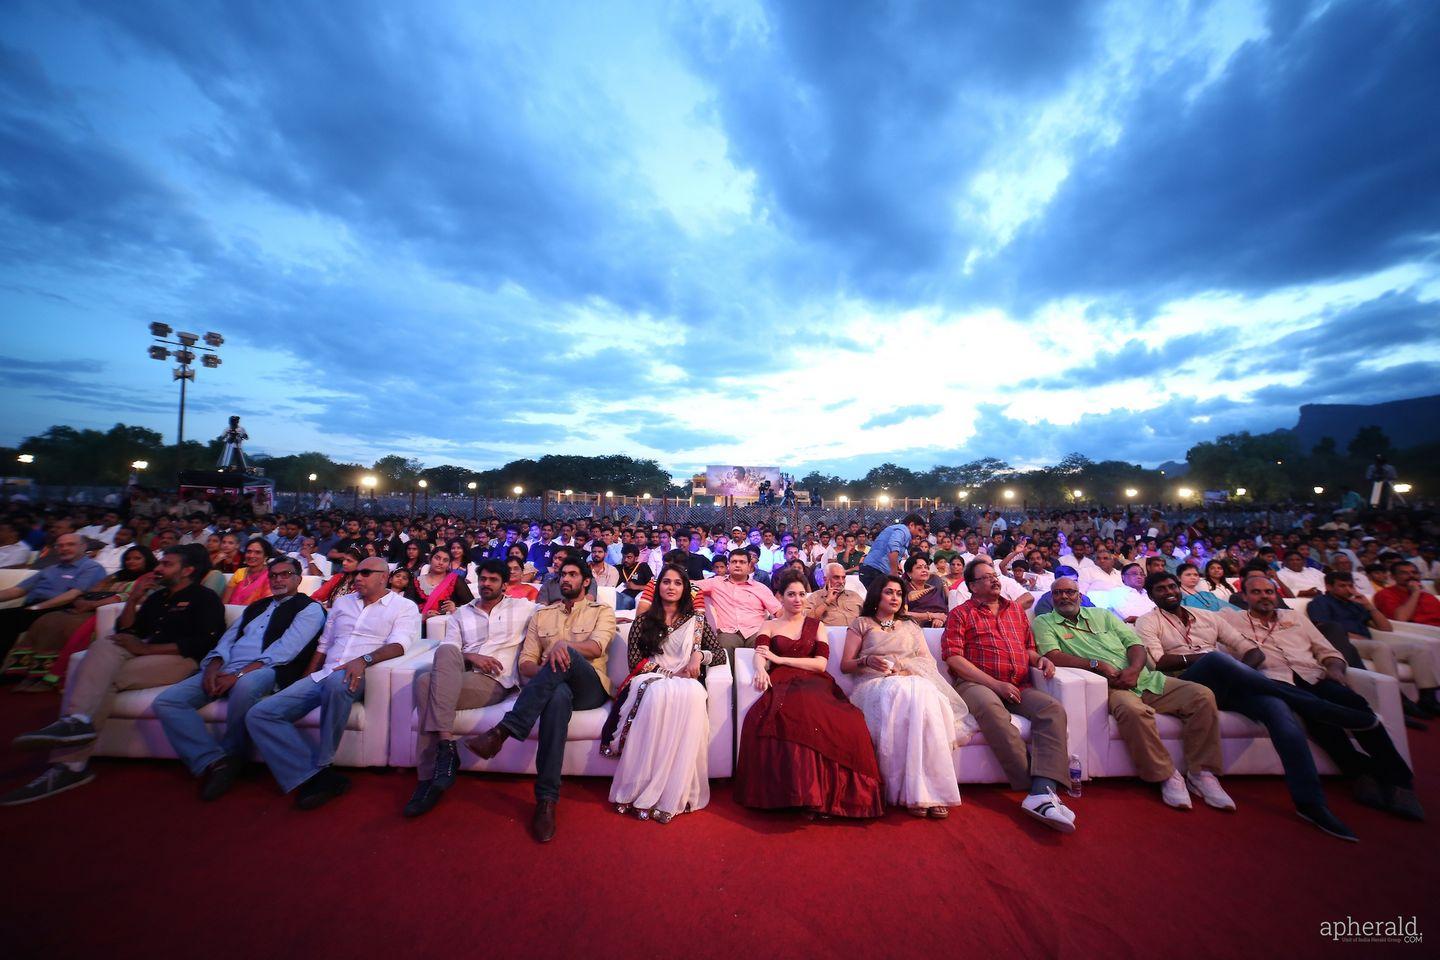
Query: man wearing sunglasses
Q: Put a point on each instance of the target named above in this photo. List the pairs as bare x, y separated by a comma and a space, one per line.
268, 646
366, 627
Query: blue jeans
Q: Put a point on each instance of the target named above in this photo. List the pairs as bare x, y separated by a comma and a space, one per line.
623, 601
1275, 705
291, 758
1229, 678
550, 697
178, 710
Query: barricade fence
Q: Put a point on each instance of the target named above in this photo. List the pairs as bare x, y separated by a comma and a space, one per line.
679, 511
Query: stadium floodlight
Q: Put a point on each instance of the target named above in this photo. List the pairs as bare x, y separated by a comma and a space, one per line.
140, 464
1185, 493
1078, 493
213, 339
1403, 488
189, 339
964, 494
159, 353
159, 329
1318, 490
517, 490
1241, 491
26, 458
184, 357
1131, 492
1008, 494
210, 360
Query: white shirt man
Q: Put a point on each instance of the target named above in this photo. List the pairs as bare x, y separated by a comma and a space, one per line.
496, 634
1297, 581
109, 556
771, 556
1095, 580
355, 629
1010, 589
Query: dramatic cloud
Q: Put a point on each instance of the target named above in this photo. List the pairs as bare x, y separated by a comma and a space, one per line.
740, 232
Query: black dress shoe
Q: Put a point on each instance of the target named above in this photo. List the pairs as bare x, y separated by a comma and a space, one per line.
321, 789
219, 778
447, 762
1368, 793
423, 800
488, 743
1405, 805
1320, 816
543, 825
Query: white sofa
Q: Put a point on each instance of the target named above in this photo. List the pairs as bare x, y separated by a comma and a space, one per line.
582, 750
1244, 743
13, 578
974, 761
133, 730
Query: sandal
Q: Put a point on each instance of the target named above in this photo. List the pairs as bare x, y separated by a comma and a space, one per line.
939, 813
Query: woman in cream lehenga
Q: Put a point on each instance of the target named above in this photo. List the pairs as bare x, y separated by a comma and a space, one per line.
915, 718
661, 729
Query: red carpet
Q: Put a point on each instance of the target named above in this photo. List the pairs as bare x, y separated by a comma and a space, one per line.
134, 865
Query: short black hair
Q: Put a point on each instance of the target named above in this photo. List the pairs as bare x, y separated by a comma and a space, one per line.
501, 568
1159, 577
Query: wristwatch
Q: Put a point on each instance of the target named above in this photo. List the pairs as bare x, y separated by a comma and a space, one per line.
368, 659
1094, 664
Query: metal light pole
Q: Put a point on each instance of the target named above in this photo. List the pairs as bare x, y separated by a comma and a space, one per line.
185, 356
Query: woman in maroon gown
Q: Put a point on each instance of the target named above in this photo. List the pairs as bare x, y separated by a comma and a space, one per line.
804, 744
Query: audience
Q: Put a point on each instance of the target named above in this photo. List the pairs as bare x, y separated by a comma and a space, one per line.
160, 638
990, 651
1097, 640
365, 627
562, 662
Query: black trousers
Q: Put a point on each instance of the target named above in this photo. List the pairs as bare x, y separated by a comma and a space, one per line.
1380, 759
14, 622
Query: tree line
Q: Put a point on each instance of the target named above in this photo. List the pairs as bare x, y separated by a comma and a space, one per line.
1268, 467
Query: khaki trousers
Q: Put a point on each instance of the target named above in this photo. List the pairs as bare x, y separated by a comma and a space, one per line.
732, 641
1384, 653
1200, 728
1048, 755
106, 670
440, 692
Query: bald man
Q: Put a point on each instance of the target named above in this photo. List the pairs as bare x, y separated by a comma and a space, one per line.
833, 605
53, 588
366, 627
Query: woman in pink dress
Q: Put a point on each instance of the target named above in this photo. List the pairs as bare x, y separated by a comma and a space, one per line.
804, 744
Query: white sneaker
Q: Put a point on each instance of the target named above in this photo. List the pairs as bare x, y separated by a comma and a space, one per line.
1047, 808
1207, 786
1173, 792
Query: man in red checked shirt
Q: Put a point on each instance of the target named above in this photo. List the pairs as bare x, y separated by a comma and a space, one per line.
1405, 600
989, 649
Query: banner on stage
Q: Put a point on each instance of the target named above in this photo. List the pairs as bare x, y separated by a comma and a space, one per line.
727, 481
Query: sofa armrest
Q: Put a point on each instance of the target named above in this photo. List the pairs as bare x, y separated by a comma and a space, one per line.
1383, 694
1071, 687
400, 699
719, 692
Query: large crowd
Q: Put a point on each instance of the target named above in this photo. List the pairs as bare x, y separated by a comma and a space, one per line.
1179, 616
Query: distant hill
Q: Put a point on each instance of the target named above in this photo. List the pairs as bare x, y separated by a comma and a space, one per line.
1408, 423
1174, 468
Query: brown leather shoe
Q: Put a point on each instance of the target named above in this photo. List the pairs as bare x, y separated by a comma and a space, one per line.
488, 743
543, 825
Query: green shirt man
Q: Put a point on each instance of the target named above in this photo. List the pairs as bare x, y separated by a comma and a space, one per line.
1095, 634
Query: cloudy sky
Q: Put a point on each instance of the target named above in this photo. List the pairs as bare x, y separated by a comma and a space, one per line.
798, 233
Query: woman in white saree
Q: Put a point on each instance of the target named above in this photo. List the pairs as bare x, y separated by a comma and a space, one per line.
915, 718
661, 730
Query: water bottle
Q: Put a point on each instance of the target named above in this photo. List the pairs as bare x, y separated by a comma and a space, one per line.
1074, 775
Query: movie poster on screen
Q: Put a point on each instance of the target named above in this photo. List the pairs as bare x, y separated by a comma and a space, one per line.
742, 482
